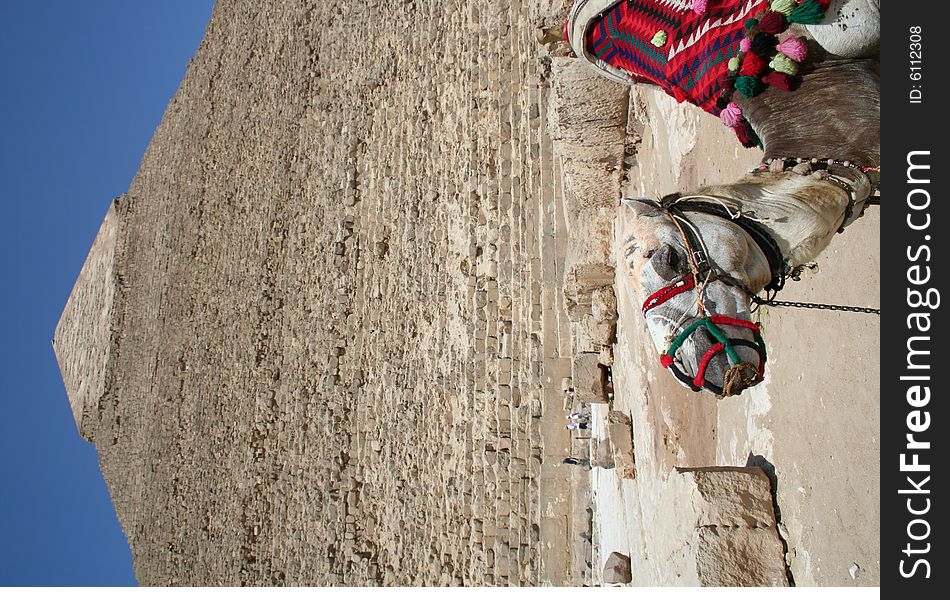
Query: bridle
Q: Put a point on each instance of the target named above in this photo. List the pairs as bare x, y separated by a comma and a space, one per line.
702, 272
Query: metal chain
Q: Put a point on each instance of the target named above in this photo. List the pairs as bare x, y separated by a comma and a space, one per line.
857, 309
873, 201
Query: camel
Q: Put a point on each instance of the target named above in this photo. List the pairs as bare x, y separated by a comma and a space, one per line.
702, 260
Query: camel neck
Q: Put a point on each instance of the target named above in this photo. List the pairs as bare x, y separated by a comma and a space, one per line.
801, 213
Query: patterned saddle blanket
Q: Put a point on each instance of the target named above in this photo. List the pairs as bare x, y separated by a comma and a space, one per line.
698, 51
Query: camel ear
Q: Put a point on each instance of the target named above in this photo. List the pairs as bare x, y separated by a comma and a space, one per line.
642, 207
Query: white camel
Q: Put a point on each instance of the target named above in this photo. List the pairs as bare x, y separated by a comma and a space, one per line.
699, 260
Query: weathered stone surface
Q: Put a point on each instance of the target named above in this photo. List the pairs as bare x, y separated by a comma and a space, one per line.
617, 568
620, 434
588, 379
736, 538
336, 351
732, 496
739, 556
588, 116
602, 453
85, 335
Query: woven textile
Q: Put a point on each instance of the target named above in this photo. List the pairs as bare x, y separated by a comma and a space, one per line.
692, 63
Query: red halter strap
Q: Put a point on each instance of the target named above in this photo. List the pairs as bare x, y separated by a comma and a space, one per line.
681, 285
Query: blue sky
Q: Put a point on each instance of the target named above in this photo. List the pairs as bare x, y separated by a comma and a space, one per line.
85, 84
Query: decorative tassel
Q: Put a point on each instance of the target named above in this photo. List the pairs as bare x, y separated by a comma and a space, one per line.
746, 136
731, 115
808, 12
748, 86
774, 22
745, 45
783, 6
784, 64
763, 44
733, 63
659, 40
750, 23
794, 48
752, 64
779, 80
699, 6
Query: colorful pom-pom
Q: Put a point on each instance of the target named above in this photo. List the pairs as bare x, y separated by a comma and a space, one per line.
745, 45
731, 115
763, 44
773, 22
808, 12
794, 48
779, 80
752, 64
666, 360
748, 86
784, 64
733, 63
659, 40
750, 23
699, 6
783, 6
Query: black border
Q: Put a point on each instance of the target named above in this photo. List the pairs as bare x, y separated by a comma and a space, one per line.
907, 127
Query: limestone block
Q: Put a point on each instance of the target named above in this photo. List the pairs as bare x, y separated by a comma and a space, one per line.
736, 540
591, 335
620, 436
588, 379
740, 557
732, 496
580, 284
602, 453
604, 303
587, 116
617, 568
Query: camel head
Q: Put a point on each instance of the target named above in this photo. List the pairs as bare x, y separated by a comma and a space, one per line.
696, 276
698, 261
